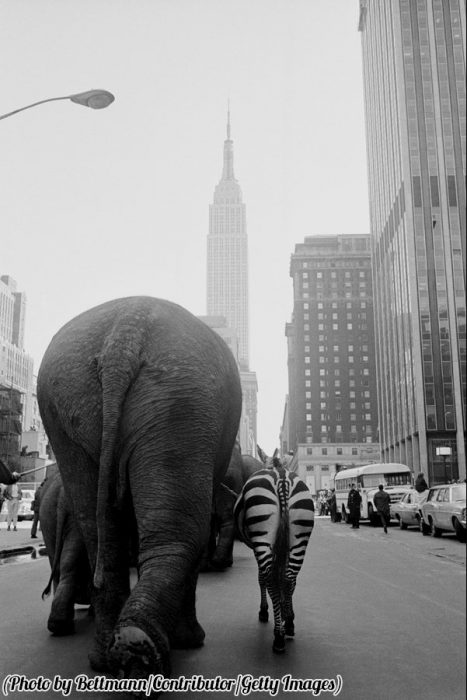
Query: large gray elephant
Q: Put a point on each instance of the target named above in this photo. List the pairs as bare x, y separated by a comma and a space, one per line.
70, 572
141, 402
222, 536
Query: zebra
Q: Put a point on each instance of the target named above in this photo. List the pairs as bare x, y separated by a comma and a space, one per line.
274, 516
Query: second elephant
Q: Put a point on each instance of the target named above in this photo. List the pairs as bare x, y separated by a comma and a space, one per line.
222, 536
70, 572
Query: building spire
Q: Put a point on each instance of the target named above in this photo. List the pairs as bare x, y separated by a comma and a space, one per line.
228, 173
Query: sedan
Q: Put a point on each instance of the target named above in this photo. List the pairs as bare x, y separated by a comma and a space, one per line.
444, 511
25, 511
407, 510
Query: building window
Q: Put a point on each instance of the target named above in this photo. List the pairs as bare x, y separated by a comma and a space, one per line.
354, 451
417, 191
452, 195
324, 450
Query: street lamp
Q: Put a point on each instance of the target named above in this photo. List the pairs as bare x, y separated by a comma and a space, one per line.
96, 99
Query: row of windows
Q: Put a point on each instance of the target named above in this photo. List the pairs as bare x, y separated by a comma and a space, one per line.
324, 451
338, 263
352, 416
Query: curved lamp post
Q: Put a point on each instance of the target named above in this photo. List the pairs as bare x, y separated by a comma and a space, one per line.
96, 99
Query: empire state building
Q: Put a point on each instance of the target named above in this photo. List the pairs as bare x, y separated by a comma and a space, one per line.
227, 260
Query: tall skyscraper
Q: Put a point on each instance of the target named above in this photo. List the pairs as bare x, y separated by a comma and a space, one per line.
414, 89
227, 281
16, 369
227, 264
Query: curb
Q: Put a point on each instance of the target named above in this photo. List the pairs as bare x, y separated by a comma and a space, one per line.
34, 551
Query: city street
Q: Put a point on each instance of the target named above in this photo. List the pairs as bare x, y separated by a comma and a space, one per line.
386, 613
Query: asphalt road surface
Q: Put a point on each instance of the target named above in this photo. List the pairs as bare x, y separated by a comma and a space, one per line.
380, 616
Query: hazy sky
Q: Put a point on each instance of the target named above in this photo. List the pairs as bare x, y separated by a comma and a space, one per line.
97, 205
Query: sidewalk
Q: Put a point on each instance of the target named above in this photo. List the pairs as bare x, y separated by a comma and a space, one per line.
18, 542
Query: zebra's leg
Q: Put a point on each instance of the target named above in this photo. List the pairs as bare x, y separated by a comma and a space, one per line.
278, 645
263, 614
288, 613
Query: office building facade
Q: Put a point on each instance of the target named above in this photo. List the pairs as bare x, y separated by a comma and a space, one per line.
332, 405
414, 89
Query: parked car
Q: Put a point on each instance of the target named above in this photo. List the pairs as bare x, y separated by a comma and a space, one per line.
444, 511
407, 510
25, 511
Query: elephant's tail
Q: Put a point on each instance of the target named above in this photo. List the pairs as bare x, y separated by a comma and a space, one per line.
62, 514
118, 366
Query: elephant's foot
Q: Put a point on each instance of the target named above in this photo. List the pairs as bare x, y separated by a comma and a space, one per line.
132, 654
187, 635
219, 563
60, 628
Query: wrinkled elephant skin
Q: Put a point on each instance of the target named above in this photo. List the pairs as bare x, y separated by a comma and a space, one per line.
141, 402
222, 535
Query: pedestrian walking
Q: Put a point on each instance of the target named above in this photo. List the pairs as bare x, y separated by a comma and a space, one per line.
13, 495
353, 503
382, 502
35, 505
332, 505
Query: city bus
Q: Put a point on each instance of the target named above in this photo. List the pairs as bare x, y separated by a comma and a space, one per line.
396, 478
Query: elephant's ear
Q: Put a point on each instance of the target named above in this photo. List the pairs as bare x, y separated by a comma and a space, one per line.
262, 455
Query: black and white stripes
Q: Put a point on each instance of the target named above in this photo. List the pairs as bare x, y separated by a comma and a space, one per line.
274, 515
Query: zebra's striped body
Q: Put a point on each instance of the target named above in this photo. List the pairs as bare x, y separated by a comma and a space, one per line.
274, 515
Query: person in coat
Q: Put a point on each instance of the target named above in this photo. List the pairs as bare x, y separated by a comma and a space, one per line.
353, 503
332, 505
420, 483
382, 502
35, 505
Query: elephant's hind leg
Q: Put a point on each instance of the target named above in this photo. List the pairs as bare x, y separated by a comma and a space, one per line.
188, 634
61, 618
172, 525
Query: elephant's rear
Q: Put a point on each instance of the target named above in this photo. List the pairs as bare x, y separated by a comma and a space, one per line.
141, 402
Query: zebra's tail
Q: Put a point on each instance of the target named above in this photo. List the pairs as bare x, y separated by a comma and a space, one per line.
280, 558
